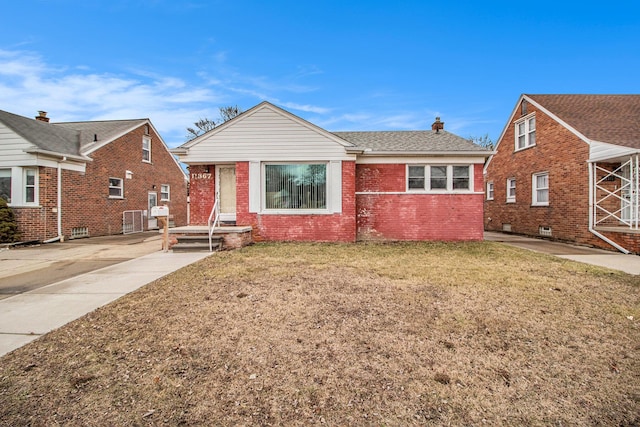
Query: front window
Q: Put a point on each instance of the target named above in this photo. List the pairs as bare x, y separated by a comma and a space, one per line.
526, 133
295, 186
30, 186
5, 184
146, 149
416, 178
439, 178
511, 190
489, 190
165, 192
540, 187
115, 188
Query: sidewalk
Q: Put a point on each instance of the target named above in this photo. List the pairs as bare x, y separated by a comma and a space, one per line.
614, 260
26, 316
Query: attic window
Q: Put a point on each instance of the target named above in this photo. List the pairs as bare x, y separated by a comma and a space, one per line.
523, 108
146, 129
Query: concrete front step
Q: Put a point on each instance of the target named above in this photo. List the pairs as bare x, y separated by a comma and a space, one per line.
197, 242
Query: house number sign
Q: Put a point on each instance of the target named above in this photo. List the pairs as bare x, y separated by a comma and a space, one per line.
196, 176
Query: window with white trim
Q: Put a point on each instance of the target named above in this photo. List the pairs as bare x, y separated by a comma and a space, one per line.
146, 149
540, 189
511, 190
165, 192
30, 186
490, 190
5, 184
526, 133
116, 188
295, 186
439, 178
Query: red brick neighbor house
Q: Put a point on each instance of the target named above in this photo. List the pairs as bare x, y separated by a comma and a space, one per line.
566, 167
290, 180
68, 180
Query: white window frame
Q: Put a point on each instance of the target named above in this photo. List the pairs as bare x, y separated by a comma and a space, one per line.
283, 211
25, 186
146, 148
511, 198
535, 189
490, 190
10, 200
449, 177
528, 133
19, 186
120, 187
165, 189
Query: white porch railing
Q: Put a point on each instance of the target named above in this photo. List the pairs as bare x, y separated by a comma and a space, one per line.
620, 203
214, 219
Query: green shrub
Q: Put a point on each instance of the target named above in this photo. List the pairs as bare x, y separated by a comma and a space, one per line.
8, 225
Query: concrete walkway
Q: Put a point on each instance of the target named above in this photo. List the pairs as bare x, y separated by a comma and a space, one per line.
26, 316
615, 260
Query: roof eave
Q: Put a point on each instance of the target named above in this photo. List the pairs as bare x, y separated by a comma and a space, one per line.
57, 155
428, 153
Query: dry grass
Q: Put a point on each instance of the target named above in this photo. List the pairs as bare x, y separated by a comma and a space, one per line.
367, 334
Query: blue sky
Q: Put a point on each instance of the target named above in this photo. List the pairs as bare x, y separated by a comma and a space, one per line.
343, 65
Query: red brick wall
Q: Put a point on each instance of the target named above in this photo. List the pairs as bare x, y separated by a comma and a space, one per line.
338, 227
411, 216
202, 189
564, 156
381, 177
41, 222
85, 196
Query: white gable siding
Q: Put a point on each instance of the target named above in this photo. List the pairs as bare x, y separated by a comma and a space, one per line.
266, 135
12, 148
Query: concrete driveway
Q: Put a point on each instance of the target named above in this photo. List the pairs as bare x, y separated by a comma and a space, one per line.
27, 268
615, 260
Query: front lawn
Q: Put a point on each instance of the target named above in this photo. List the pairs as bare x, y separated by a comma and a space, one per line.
363, 334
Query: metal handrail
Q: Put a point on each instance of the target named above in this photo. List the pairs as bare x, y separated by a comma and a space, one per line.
214, 218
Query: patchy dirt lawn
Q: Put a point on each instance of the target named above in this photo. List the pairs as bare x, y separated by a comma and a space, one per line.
366, 334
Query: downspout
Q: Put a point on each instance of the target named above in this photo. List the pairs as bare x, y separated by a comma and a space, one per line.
591, 213
60, 237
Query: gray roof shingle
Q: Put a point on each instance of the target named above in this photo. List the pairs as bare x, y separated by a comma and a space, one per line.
43, 135
100, 131
411, 142
613, 119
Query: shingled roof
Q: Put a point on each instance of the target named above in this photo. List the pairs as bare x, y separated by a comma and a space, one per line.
614, 119
97, 132
411, 142
43, 136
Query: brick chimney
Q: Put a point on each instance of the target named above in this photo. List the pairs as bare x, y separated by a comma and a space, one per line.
42, 116
437, 125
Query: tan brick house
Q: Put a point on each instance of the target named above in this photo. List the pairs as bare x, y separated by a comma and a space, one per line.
566, 167
66, 180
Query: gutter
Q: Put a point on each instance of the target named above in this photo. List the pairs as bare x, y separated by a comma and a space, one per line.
591, 229
62, 157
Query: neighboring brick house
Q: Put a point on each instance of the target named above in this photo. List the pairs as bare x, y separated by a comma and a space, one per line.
66, 180
566, 168
291, 180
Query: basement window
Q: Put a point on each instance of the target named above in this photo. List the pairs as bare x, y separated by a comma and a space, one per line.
544, 231
78, 232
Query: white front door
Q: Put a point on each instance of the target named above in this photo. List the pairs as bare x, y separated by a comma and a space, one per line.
226, 186
152, 222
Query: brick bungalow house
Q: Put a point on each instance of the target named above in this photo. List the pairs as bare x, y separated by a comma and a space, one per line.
291, 180
566, 167
67, 180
